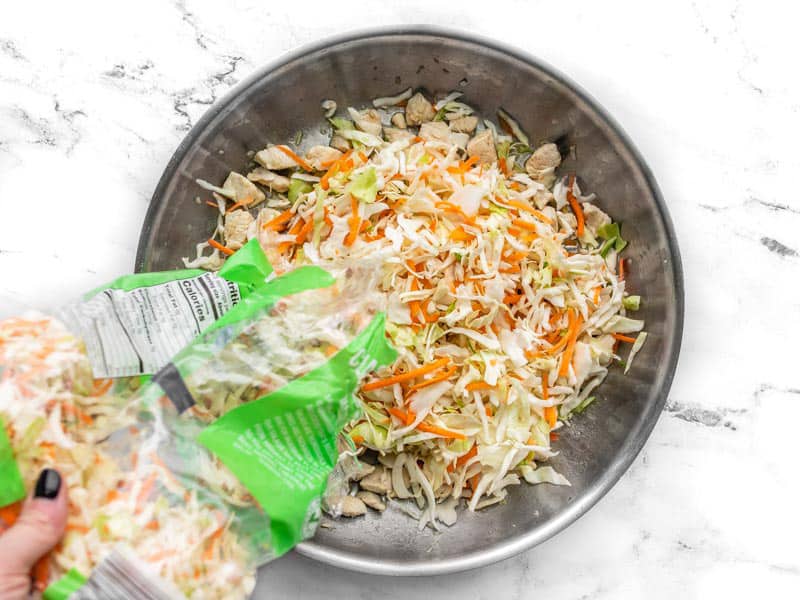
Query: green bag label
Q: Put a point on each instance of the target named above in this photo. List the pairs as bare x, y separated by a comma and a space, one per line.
65, 586
282, 447
12, 489
137, 323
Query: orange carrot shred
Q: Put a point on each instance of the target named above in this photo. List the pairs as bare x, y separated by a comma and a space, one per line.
551, 415
545, 388
220, 247
277, 223
291, 154
576, 206
623, 338
412, 374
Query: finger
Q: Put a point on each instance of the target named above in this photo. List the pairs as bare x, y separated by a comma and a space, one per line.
38, 529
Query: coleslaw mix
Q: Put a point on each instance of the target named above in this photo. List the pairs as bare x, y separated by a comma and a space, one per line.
153, 505
505, 289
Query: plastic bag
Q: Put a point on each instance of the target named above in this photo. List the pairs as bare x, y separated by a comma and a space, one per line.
217, 464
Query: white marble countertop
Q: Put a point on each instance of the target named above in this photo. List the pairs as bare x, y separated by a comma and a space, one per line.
95, 96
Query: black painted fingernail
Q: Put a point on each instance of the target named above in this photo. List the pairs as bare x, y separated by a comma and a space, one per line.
48, 484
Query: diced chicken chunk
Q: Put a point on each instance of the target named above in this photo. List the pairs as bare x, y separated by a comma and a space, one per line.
399, 120
368, 121
339, 143
595, 218
464, 124
544, 157
361, 471
273, 181
275, 159
435, 131
244, 190
349, 506
542, 164
372, 500
236, 226
482, 146
419, 110
379, 481
393, 135
321, 157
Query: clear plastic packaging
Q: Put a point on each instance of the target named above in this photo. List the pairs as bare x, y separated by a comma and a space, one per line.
172, 481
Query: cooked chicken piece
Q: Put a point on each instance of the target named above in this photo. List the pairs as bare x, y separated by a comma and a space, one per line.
482, 146
273, 181
464, 124
364, 469
419, 110
435, 131
368, 121
339, 143
236, 225
399, 120
274, 159
542, 164
244, 190
595, 218
393, 135
349, 506
379, 481
544, 157
372, 500
322, 157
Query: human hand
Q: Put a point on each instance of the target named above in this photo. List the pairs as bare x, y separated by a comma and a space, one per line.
37, 530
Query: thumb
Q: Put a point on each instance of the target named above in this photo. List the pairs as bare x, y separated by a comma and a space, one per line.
38, 529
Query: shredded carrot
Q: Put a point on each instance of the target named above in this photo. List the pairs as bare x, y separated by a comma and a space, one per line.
566, 358
304, 231
208, 554
325, 181
277, 223
473, 481
551, 415
101, 386
576, 206
407, 418
233, 207
623, 338
459, 235
501, 162
362, 156
622, 269
354, 222
427, 382
224, 249
153, 525
72, 526
510, 299
596, 297
445, 433
519, 205
525, 224
412, 374
145, 490
462, 460
212, 204
155, 557
291, 154
511, 269
357, 439
478, 385
71, 409
545, 388
553, 436
487, 408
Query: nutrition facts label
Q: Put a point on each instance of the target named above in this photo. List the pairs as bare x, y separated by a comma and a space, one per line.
137, 332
